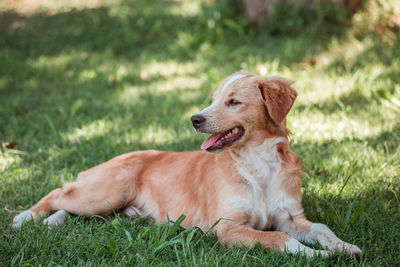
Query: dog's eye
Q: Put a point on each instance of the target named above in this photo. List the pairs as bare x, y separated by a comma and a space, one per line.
233, 102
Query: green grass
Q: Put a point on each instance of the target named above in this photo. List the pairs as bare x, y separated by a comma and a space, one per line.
80, 84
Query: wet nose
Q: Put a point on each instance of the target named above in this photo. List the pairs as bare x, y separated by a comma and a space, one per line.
197, 120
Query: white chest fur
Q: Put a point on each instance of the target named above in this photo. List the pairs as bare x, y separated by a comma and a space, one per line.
265, 201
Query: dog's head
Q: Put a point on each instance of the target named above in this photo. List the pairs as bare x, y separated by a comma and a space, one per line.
245, 108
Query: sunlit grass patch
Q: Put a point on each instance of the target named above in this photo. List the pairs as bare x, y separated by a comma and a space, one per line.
29, 7
317, 126
7, 159
167, 69
93, 129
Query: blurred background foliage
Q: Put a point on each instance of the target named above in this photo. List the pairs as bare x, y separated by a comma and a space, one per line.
83, 81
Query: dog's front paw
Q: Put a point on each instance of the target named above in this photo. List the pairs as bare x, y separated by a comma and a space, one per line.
347, 248
351, 249
330, 241
293, 246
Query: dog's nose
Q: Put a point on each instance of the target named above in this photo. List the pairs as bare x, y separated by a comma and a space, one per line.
197, 120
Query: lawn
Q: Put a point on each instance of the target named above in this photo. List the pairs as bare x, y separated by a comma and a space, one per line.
84, 81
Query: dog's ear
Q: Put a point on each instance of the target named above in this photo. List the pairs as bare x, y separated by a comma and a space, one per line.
278, 97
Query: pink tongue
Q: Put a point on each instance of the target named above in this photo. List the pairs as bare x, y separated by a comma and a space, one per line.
210, 141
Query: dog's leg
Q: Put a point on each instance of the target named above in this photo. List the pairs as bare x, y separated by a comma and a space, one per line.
42, 208
301, 229
233, 233
83, 197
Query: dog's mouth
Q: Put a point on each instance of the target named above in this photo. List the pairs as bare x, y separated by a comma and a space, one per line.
220, 140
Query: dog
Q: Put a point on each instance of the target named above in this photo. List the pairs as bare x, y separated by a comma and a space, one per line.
250, 181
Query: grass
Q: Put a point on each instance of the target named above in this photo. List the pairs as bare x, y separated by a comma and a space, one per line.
81, 83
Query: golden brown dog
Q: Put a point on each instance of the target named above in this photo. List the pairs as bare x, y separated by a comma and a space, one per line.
251, 180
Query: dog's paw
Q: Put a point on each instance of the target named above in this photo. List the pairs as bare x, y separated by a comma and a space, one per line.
56, 219
293, 246
350, 249
21, 218
330, 241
